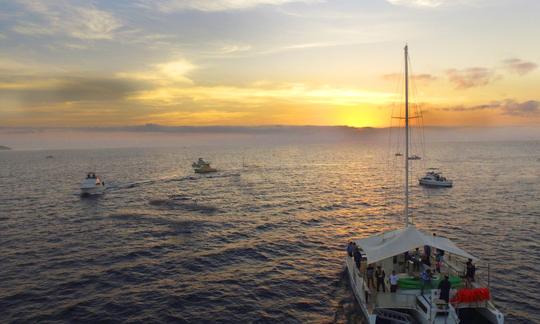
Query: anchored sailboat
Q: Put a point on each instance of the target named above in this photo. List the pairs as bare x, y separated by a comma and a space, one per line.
415, 300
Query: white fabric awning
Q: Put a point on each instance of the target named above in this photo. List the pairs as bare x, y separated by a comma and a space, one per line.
389, 244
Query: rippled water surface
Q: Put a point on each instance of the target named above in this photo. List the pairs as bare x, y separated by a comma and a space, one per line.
262, 242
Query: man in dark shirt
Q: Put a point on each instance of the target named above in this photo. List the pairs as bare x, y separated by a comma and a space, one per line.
357, 258
445, 286
427, 255
416, 260
350, 249
380, 275
469, 274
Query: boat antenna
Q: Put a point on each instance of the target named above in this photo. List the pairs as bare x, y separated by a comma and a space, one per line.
406, 50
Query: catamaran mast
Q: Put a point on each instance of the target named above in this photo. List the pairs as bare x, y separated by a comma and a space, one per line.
406, 136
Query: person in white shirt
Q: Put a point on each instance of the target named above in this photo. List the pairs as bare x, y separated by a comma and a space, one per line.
393, 278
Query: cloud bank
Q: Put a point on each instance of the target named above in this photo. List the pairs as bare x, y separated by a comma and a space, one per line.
470, 77
519, 66
169, 6
82, 21
509, 107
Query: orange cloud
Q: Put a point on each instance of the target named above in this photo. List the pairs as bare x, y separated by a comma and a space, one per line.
470, 77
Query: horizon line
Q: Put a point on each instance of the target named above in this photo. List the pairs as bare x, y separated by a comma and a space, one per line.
152, 126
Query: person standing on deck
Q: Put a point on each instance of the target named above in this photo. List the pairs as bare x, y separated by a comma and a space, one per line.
425, 276
438, 262
427, 255
393, 278
370, 273
416, 260
445, 287
380, 275
469, 274
357, 257
350, 249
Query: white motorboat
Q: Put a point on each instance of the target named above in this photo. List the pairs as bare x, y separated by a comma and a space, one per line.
92, 185
434, 178
201, 166
414, 300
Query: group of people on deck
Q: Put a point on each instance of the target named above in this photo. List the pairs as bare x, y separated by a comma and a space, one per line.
354, 252
417, 259
376, 276
380, 275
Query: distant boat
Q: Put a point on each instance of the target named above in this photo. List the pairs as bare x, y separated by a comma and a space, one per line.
413, 300
201, 166
398, 154
434, 178
248, 166
92, 185
49, 157
414, 157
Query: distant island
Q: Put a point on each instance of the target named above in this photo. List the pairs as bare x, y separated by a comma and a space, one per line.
2, 147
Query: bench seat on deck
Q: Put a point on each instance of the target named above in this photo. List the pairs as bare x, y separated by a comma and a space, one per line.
416, 283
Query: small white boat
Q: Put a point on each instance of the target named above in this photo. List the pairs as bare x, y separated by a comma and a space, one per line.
92, 185
201, 166
434, 178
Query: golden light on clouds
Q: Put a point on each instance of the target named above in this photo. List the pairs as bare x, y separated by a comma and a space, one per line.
163, 73
258, 62
259, 95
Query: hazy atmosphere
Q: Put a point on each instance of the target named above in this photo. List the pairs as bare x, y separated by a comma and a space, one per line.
151, 135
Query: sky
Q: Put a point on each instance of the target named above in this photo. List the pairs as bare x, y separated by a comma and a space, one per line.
267, 62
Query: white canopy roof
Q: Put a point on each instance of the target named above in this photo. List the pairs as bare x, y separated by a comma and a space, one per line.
389, 244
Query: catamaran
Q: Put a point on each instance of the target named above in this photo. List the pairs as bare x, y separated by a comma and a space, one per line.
417, 298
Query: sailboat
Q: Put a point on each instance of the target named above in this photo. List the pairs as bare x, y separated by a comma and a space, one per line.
416, 300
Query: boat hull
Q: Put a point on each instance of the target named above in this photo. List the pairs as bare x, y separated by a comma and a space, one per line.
97, 190
431, 183
208, 170
356, 283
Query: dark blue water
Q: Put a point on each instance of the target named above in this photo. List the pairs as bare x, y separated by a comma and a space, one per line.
262, 243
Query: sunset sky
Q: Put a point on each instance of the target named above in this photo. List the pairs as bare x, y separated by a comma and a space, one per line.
265, 62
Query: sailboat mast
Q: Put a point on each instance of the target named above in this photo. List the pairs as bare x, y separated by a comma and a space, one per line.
406, 136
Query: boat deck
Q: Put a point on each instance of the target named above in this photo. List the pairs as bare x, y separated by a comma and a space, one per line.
394, 300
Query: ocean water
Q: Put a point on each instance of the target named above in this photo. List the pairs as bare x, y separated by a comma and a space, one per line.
260, 243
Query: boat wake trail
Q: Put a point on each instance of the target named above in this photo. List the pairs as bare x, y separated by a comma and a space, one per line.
203, 176
179, 202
